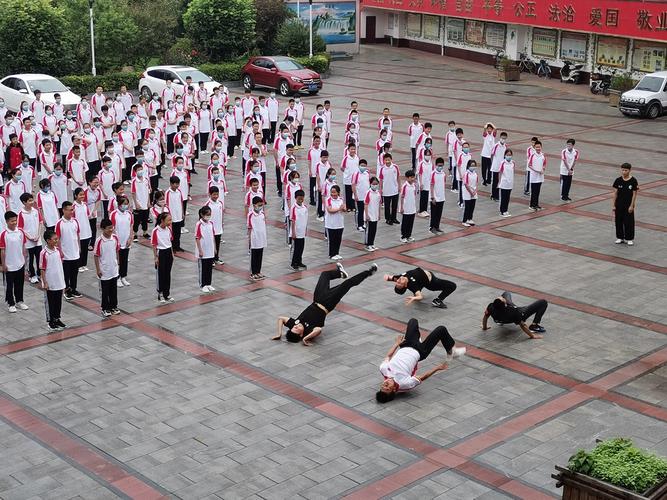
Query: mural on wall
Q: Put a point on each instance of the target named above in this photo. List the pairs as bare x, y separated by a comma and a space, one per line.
335, 22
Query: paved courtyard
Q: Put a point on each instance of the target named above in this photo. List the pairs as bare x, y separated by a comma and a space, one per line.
193, 400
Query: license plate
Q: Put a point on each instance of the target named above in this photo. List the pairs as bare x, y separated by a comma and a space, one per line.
312, 86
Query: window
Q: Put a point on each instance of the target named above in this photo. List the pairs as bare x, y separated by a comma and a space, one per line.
390, 21
455, 29
195, 74
573, 46
414, 25
9, 83
288, 64
612, 51
648, 56
474, 32
260, 63
19, 84
48, 85
494, 35
544, 42
431, 27
172, 76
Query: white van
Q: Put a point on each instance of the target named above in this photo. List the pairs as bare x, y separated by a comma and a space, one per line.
648, 98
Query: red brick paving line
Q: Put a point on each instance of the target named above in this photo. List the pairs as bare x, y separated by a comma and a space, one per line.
83, 456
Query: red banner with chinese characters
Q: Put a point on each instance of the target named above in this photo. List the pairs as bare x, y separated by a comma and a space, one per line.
639, 19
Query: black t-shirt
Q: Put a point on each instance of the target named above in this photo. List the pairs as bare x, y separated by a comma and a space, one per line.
506, 314
624, 191
311, 317
417, 279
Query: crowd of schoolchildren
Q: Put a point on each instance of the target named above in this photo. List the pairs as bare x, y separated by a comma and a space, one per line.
88, 180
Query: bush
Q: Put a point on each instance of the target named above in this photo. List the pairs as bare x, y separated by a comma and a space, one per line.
183, 52
623, 82
319, 62
619, 462
223, 72
85, 84
293, 39
221, 28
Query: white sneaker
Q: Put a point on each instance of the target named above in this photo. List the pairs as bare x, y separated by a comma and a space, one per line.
124, 281
204, 289
34, 279
465, 224
457, 352
185, 230
471, 222
375, 248
170, 299
361, 229
22, 306
630, 243
619, 241
506, 214
162, 300
404, 240
12, 309
320, 219
187, 213
211, 288
368, 248
119, 283
411, 239
82, 269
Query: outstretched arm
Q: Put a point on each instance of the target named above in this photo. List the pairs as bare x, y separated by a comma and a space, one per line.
431, 372
279, 330
485, 319
527, 331
316, 331
416, 298
395, 347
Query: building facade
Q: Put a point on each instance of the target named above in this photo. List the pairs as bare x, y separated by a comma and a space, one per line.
620, 36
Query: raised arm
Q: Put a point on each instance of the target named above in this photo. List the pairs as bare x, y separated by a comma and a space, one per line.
431, 372
279, 327
316, 331
485, 319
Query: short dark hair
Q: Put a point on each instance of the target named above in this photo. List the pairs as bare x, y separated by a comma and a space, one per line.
571, 141
626, 166
48, 234
105, 224
66, 204
256, 200
400, 291
498, 304
174, 180
384, 397
205, 210
299, 192
25, 197
10, 215
213, 189
410, 173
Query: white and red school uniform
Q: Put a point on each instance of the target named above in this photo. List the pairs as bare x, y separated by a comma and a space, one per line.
13, 243
334, 220
568, 158
168, 94
174, 202
13, 192
47, 160
59, 187
273, 105
48, 204
349, 166
92, 198
250, 176
204, 232
129, 141
151, 161
298, 218
106, 251
252, 194
156, 210
84, 114
470, 179
3, 211
68, 234
29, 222
414, 132
51, 265
96, 102
537, 165
438, 185
257, 227
28, 176
409, 198
424, 172
50, 123
462, 164
217, 215
497, 155
313, 159
389, 180
91, 147
29, 139
82, 214
161, 237
247, 104
122, 222
290, 196
127, 100
372, 202
362, 183
321, 170
77, 170
118, 111
506, 171
488, 143
184, 176
381, 119
141, 189
38, 109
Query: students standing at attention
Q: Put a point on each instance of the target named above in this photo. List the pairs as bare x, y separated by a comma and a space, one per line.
12, 256
361, 182
530, 150
568, 159
334, 222
537, 165
205, 249
469, 193
497, 157
174, 202
298, 227
424, 179
30, 221
163, 256
623, 205
372, 213
408, 206
107, 248
414, 131
437, 193
52, 280
506, 182
217, 205
257, 238
488, 138
122, 221
67, 229
388, 175
81, 214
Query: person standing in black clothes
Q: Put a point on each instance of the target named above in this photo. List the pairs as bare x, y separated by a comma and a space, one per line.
504, 311
623, 205
308, 325
418, 278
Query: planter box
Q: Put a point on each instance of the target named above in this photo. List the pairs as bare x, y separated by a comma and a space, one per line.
614, 98
509, 74
581, 487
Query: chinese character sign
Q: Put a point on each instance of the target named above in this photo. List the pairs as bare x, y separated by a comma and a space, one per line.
612, 17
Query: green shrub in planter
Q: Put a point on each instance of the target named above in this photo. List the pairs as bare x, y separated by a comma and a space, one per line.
319, 62
223, 72
85, 84
619, 462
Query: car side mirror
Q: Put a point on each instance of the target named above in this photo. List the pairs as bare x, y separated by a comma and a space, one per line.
274, 69
23, 91
177, 81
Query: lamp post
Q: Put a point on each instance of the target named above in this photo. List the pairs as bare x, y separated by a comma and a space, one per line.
310, 22
92, 36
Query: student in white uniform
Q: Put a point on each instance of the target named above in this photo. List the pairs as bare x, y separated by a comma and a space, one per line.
334, 222
30, 222
298, 226
537, 165
506, 182
361, 183
256, 238
470, 181
217, 205
488, 141
399, 368
52, 280
163, 256
12, 256
372, 213
497, 157
408, 206
388, 175
205, 249
106, 251
414, 131
437, 193
123, 220
568, 159
67, 229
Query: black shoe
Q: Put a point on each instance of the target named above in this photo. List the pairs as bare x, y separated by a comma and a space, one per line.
147, 236
395, 221
294, 268
313, 204
433, 231
60, 324
526, 193
76, 294
537, 328
194, 172
439, 304
302, 266
68, 296
374, 268
389, 222
53, 327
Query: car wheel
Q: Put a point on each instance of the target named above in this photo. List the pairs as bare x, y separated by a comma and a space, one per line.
653, 111
247, 82
283, 88
313, 93
146, 92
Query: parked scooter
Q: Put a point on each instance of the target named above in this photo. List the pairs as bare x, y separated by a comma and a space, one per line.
571, 72
600, 82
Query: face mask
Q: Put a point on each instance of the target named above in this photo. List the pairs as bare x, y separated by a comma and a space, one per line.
179, 151
508, 158
427, 159
332, 178
18, 177
237, 103
355, 118
284, 136
63, 127
46, 189
427, 146
362, 169
255, 170
155, 98
123, 127
178, 101
375, 187
221, 115
466, 150
114, 139
124, 208
24, 108
216, 176
70, 117
141, 172
386, 127
131, 118
84, 104
86, 130
273, 95
9, 121
179, 167
58, 173
97, 124
472, 168
25, 163
109, 102
58, 100
297, 101
48, 112
257, 209
2, 104
439, 168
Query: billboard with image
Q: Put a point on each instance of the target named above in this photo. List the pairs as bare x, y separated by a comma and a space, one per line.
335, 22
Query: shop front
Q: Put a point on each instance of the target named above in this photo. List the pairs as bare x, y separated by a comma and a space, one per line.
612, 35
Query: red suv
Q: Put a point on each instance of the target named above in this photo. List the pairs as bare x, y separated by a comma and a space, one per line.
282, 73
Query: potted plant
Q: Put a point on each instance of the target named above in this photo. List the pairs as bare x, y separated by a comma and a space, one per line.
619, 84
614, 470
508, 71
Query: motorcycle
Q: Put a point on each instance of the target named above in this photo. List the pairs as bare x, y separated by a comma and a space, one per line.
600, 82
571, 72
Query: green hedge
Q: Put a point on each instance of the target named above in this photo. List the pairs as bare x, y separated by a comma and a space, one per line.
221, 72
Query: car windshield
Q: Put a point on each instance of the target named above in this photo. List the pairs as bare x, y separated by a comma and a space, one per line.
197, 76
650, 83
288, 64
47, 85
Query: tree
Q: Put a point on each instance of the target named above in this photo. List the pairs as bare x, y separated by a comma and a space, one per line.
292, 39
159, 22
270, 15
35, 38
222, 29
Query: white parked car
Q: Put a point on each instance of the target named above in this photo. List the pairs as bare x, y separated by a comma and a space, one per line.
17, 88
648, 98
154, 79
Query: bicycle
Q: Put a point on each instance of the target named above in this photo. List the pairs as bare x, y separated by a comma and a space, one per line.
543, 70
525, 64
